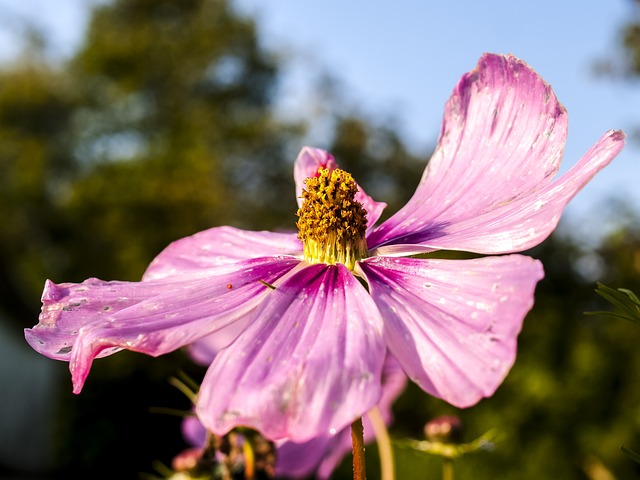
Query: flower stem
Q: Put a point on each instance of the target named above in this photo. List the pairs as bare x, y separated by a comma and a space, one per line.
384, 444
249, 460
447, 469
357, 440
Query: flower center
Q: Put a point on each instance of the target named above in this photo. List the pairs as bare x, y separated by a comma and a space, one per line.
332, 224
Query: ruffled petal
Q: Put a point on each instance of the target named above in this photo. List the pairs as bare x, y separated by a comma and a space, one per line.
487, 187
80, 322
307, 365
220, 246
307, 164
323, 454
526, 222
453, 324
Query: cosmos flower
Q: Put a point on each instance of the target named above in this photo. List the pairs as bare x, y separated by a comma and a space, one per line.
320, 309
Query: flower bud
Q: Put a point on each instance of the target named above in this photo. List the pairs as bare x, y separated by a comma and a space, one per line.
186, 460
444, 429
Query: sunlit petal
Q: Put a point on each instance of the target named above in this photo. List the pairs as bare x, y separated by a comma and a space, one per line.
220, 246
80, 322
308, 364
453, 324
487, 187
323, 453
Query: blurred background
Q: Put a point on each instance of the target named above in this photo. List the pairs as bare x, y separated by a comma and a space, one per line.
127, 124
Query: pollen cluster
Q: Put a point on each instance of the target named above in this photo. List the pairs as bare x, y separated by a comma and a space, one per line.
331, 223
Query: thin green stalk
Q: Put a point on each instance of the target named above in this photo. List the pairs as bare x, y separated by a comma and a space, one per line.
385, 451
447, 469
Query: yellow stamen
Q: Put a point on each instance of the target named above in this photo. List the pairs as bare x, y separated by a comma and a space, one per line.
332, 224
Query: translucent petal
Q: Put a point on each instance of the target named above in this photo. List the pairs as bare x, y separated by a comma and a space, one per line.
80, 322
487, 187
453, 324
322, 454
220, 246
308, 364
204, 350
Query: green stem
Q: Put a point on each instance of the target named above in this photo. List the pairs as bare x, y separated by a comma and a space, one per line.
447, 469
384, 444
357, 440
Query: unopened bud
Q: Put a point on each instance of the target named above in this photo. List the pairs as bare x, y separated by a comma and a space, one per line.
444, 429
186, 460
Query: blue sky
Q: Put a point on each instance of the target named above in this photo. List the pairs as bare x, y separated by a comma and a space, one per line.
403, 58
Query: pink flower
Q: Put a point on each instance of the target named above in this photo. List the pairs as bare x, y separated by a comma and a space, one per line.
309, 357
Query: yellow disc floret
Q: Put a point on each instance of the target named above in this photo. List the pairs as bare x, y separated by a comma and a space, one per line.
332, 224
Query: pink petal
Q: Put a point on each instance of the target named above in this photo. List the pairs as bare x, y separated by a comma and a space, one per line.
323, 454
320, 454
307, 164
309, 161
220, 246
526, 222
374, 209
453, 324
308, 364
193, 432
295, 460
80, 322
204, 350
487, 187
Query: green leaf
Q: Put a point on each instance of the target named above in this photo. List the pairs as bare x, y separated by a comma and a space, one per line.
625, 300
450, 450
635, 456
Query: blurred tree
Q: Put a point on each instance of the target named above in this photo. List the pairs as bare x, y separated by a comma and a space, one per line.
631, 40
625, 63
176, 133
378, 159
161, 126
158, 127
36, 110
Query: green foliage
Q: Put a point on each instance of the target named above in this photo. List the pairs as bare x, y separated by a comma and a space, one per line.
631, 44
625, 300
630, 58
450, 450
36, 108
177, 128
628, 306
635, 456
